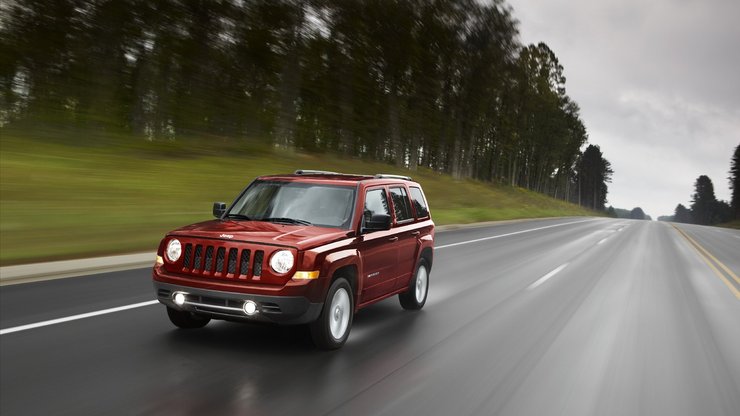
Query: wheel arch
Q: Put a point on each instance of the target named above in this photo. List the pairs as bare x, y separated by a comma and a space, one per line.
427, 253
347, 264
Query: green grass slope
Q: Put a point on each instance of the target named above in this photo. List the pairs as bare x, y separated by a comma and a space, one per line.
732, 224
59, 200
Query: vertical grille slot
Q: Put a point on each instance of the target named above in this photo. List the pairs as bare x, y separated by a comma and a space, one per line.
209, 259
258, 255
244, 266
186, 256
220, 254
232, 261
198, 256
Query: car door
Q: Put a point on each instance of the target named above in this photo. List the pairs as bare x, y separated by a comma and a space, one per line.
378, 249
407, 233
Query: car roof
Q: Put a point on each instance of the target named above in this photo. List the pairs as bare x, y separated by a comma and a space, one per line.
336, 178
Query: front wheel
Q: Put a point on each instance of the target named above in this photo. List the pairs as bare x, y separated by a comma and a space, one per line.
331, 330
186, 320
416, 296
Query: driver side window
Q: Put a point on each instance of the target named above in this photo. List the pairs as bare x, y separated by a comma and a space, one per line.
376, 203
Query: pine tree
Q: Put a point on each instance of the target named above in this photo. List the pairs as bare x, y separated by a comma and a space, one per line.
704, 202
735, 183
682, 214
594, 172
637, 214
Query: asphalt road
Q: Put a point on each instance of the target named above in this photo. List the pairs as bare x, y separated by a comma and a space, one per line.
568, 316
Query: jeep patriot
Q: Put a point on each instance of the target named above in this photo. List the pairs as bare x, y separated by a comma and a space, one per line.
310, 248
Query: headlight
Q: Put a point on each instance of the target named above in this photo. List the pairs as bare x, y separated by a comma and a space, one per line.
282, 261
173, 250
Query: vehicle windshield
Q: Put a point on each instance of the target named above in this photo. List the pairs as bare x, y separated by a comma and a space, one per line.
296, 203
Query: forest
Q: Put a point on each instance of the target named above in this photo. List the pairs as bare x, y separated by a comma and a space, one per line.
705, 208
443, 84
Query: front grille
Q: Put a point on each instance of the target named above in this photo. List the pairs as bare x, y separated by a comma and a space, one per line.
244, 268
209, 259
222, 262
198, 255
232, 260
258, 262
186, 256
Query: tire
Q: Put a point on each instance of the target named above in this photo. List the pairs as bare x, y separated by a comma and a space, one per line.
186, 320
415, 298
331, 330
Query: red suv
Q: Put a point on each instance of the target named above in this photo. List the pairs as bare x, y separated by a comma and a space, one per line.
311, 248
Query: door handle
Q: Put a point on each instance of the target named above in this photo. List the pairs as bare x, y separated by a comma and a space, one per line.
415, 233
393, 239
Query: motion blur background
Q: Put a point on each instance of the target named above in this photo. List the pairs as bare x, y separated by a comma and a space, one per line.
121, 119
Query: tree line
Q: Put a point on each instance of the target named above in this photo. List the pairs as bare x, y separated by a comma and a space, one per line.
636, 213
705, 208
441, 84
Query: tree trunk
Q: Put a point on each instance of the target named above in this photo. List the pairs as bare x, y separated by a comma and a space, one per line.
346, 110
289, 89
414, 152
399, 155
290, 86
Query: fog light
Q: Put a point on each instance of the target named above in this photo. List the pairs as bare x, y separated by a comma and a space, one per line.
179, 298
250, 308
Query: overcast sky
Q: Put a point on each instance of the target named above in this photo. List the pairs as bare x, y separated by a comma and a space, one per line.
658, 85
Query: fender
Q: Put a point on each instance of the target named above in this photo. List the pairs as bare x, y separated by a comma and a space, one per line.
424, 241
338, 259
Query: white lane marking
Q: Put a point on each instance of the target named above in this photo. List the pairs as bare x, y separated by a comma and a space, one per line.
544, 278
153, 302
508, 234
602, 240
76, 317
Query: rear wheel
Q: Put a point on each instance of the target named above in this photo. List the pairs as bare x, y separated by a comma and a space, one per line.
331, 330
186, 320
416, 296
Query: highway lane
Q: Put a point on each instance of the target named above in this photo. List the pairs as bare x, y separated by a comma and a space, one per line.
554, 316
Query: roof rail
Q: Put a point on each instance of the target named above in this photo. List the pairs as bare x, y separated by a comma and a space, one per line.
314, 172
388, 176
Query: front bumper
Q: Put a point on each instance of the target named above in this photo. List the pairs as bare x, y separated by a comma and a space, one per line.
287, 310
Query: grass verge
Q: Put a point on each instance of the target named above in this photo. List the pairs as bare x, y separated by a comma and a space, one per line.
60, 200
732, 224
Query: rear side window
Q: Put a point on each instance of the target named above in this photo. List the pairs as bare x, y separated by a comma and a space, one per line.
419, 203
401, 204
376, 203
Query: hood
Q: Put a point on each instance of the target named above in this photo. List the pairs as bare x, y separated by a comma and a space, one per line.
299, 236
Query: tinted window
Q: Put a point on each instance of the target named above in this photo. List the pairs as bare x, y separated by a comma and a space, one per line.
401, 204
376, 203
421, 206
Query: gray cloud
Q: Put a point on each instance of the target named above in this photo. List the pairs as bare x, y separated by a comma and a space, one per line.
657, 84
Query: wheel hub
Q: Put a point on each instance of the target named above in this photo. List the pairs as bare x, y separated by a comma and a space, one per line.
340, 313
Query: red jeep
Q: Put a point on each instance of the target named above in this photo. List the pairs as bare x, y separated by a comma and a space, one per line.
312, 247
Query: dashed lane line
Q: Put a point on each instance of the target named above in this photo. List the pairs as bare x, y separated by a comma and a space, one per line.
544, 278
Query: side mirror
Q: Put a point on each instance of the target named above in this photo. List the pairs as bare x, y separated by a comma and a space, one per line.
218, 209
378, 222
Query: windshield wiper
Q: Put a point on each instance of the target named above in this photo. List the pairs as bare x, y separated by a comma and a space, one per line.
286, 220
238, 217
